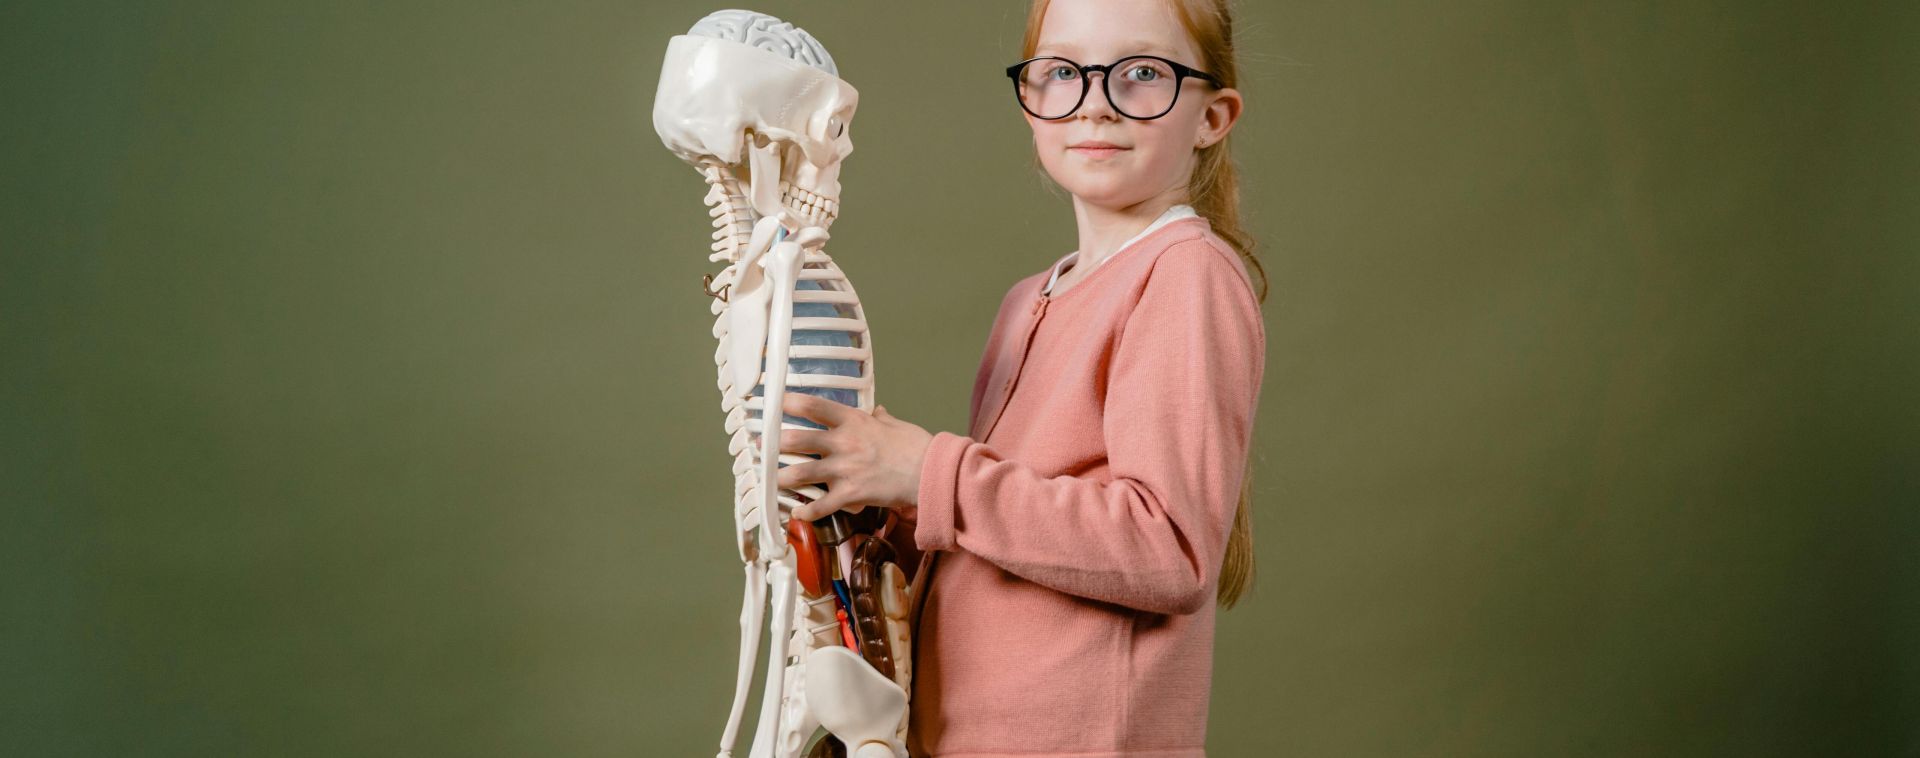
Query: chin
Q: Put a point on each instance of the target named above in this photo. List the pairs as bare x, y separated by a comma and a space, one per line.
1111, 191
1108, 185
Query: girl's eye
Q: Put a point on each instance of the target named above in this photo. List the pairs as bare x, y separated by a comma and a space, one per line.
1062, 73
1143, 73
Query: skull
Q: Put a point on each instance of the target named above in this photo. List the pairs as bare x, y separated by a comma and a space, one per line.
744, 87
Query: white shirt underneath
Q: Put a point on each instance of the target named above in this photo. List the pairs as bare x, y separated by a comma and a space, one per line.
1170, 215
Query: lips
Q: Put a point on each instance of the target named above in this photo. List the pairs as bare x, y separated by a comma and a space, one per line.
1097, 149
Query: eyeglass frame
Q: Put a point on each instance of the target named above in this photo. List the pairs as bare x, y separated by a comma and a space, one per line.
1181, 72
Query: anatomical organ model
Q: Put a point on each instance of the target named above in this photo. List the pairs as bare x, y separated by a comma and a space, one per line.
757, 107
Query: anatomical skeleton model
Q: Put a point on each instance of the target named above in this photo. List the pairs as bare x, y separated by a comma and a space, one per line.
743, 91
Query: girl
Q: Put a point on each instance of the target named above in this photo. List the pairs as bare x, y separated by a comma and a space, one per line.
1095, 511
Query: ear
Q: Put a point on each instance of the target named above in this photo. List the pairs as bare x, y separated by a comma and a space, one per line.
1222, 112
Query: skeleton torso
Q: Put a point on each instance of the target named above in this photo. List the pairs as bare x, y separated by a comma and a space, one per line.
829, 352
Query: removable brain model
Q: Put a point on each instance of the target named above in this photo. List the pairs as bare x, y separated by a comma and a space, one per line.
757, 107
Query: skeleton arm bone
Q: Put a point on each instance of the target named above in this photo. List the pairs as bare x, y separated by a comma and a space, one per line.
782, 264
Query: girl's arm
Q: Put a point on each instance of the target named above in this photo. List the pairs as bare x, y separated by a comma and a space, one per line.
1179, 411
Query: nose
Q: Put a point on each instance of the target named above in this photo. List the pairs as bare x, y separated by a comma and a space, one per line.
1096, 105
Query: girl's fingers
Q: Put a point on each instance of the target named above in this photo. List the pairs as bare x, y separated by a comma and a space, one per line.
839, 498
794, 475
803, 441
814, 408
821, 508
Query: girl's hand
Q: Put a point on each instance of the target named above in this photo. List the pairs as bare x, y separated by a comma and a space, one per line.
866, 459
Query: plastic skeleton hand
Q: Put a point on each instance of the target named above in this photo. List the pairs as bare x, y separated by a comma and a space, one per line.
746, 92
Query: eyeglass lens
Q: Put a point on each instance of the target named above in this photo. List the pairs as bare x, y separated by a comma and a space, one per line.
1138, 88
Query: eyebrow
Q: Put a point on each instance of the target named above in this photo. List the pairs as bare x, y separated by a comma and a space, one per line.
1128, 48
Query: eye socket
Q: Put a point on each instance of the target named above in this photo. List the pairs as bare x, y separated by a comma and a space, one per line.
836, 126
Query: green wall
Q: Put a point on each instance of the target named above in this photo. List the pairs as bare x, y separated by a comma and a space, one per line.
358, 396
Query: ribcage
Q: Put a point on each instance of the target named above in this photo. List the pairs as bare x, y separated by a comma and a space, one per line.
824, 317
830, 354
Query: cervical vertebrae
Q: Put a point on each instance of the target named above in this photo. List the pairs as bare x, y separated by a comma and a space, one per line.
745, 92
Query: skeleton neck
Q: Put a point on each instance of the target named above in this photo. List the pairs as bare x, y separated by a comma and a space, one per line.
734, 217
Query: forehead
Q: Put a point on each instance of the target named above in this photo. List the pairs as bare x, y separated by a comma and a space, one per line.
1091, 30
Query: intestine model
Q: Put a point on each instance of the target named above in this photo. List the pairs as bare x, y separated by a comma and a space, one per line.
744, 93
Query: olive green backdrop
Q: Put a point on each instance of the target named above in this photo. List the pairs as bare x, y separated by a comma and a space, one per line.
358, 395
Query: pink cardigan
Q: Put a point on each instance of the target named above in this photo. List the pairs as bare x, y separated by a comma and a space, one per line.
1082, 522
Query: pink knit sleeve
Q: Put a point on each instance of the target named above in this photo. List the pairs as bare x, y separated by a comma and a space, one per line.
1182, 390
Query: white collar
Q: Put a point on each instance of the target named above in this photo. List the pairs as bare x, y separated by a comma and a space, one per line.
1170, 215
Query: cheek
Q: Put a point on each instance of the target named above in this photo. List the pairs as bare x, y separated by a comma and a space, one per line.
1046, 134
1162, 146
1049, 142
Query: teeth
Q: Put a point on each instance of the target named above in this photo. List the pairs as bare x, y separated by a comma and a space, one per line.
811, 205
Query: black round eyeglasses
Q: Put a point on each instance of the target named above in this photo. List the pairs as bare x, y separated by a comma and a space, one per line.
1140, 87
